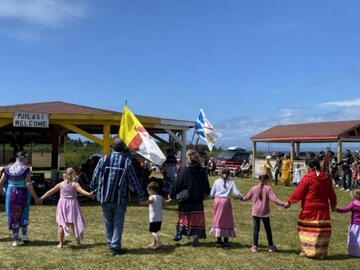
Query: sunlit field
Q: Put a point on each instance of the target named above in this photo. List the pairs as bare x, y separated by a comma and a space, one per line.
41, 252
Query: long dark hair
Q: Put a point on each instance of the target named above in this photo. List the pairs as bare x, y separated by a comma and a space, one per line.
263, 177
225, 171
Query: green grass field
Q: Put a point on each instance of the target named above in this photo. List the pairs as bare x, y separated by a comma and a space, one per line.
42, 253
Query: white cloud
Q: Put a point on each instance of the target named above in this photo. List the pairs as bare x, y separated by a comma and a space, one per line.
49, 13
237, 131
341, 103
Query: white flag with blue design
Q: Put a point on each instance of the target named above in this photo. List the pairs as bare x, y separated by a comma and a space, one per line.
206, 131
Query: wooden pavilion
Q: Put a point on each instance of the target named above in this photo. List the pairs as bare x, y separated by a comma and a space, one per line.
50, 122
339, 131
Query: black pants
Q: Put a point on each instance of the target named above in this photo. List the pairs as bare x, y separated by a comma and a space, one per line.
266, 221
277, 175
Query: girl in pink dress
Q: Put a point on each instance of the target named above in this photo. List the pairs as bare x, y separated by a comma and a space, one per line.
354, 228
223, 222
68, 211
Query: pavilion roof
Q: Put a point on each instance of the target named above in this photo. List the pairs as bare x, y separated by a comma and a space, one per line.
89, 119
79, 113
311, 132
54, 107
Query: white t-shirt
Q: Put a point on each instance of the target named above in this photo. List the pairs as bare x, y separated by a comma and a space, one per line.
155, 208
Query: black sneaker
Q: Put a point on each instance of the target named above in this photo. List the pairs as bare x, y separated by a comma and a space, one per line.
226, 245
219, 244
196, 243
122, 251
177, 237
114, 252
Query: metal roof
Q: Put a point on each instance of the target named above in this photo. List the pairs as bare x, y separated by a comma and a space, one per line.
87, 118
311, 132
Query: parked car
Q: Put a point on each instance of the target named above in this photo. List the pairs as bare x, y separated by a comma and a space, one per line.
232, 159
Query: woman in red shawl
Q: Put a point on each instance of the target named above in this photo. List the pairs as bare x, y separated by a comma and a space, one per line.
314, 191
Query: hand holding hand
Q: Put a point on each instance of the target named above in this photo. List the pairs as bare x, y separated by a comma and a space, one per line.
142, 203
287, 205
38, 201
333, 208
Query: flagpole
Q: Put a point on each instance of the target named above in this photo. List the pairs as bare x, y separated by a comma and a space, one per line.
121, 117
192, 139
196, 144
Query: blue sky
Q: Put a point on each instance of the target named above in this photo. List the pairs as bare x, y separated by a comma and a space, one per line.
249, 64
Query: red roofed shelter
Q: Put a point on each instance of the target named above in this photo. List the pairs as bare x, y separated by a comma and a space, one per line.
339, 131
49, 122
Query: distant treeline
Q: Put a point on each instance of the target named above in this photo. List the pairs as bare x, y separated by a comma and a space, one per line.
78, 151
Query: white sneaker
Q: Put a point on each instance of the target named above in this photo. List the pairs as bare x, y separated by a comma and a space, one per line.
337, 185
347, 190
342, 188
15, 243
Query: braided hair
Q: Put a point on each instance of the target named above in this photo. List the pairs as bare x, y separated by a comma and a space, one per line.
263, 178
225, 171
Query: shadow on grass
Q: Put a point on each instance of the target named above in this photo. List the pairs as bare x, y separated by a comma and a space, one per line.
166, 249
86, 245
213, 245
289, 251
338, 257
7, 239
42, 243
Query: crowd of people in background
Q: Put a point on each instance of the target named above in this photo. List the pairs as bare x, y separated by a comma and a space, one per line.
288, 171
117, 175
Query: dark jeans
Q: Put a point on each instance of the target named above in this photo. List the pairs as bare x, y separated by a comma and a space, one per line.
346, 178
266, 221
114, 217
277, 175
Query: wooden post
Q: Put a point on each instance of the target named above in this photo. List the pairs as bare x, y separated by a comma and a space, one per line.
55, 139
297, 150
339, 152
253, 159
172, 143
292, 151
106, 139
183, 148
65, 136
31, 152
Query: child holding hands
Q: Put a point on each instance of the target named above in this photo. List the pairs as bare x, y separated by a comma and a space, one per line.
260, 195
68, 211
354, 227
155, 203
223, 222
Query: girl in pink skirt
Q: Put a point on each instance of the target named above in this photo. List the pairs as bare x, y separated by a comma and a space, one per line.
354, 228
68, 211
223, 222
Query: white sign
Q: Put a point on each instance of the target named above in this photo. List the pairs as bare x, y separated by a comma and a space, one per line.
33, 120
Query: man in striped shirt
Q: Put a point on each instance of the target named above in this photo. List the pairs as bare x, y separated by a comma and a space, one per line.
111, 179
